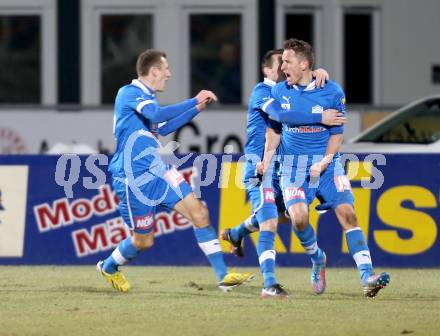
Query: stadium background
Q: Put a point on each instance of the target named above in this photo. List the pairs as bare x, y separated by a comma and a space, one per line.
62, 62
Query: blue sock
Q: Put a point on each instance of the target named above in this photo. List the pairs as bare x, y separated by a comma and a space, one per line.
248, 226
359, 251
266, 257
209, 244
120, 256
308, 240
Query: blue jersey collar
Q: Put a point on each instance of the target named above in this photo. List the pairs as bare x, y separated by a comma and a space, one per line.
269, 82
142, 86
310, 87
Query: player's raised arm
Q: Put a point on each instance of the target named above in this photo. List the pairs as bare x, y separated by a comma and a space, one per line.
174, 124
157, 114
330, 117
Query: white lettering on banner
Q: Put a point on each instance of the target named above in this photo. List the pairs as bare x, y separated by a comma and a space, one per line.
291, 193
105, 236
168, 222
13, 189
101, 237
63, 213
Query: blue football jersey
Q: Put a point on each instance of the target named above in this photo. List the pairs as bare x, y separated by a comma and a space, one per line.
137, 114
309, 139
257, 121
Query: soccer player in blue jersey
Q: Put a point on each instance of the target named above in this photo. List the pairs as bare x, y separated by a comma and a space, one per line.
310, 161
142, 181
265, 195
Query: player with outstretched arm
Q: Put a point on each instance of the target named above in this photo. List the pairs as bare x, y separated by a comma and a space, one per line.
142, 181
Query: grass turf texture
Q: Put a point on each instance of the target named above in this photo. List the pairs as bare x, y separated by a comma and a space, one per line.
185, 301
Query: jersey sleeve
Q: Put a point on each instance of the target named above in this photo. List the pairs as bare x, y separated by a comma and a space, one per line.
274, 125
340, 106
260, 96
150, 109
172, 125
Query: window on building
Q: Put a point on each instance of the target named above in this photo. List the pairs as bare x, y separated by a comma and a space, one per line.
358, 57
304, 23
20, 59
215, 55
300, 26
123, 38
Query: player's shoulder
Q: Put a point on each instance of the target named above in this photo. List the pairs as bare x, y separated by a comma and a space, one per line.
127, 91
281, 86
132, 92
333, 86
260, 90
261, 87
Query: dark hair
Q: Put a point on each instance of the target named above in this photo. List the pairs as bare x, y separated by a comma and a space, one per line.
301, 48
148, 59
267, 60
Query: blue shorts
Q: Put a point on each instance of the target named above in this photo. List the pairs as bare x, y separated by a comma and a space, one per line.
332, 187
265, 196
137, 204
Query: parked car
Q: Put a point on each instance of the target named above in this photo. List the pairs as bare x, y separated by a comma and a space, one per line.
415, 128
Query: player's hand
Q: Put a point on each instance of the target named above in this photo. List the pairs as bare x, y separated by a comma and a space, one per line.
206, 96
319, 167
316, 170
321, 76
333, 117
260, 168
201, 106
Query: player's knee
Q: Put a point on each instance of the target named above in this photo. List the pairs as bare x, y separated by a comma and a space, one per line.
200, 215
300, 220
269, 225
143, 242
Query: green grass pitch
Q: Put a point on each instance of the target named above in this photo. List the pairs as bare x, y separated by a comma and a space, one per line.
185, 301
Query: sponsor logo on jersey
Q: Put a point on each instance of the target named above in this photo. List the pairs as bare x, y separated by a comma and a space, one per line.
286, 103
291, 193
304, 129
269, 196
317, 109
143, 222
